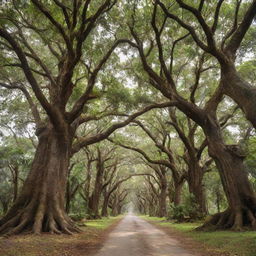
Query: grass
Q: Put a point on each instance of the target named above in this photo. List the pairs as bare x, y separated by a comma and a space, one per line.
223, 242
101, 223
59, 245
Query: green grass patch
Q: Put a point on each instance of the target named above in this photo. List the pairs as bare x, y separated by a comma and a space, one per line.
101, 223
235, 243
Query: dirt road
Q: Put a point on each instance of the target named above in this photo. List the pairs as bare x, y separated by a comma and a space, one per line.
136, 237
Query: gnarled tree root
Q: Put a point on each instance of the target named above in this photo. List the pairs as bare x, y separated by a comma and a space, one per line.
36, 220
236, 220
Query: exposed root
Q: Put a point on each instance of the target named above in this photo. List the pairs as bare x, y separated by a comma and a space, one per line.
43, 220
239, 220
252, 219
229, 221
9, 224
18, 229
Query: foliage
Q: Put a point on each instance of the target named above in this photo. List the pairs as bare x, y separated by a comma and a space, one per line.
187, 211
178, 213
102, 223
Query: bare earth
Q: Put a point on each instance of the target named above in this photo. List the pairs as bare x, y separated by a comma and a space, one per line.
136, 237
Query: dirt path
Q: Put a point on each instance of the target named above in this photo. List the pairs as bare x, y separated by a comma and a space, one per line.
136, 237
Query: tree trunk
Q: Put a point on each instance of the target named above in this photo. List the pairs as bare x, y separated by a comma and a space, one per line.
41, 203
119, 209
162, 199
177, 192
114, 211
104, 211
195, 183
240, 195
15, 182
94, 202
94, 199
87, 188
143, 209
151, 207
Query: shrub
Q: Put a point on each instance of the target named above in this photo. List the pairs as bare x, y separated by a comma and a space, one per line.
186, 211
176, 212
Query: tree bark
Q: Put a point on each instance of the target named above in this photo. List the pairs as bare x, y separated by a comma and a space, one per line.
94, 199
41, 203
195, 183
143, 208
104, 211
114, 206
162, 199
177, 192
152, 206
15, 177
119, 209
240, 195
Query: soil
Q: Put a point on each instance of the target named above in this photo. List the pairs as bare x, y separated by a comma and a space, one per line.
83, 244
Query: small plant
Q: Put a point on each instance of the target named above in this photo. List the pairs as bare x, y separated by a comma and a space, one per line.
176, 212
192, 208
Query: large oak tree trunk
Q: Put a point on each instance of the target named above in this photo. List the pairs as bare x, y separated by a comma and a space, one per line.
104, 210
195, 183
41, 203
162, 199
241, 198
119, 209
94, 199
114, 209
176, 198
